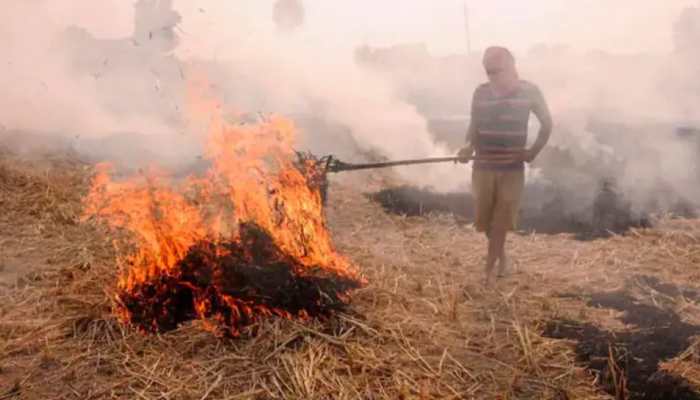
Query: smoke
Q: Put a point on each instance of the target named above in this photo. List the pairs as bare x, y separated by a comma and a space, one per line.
341, 108
617, 115
621, 114
123, 96
42, 90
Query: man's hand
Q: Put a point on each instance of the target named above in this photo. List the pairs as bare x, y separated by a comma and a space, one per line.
465, 154
528, 156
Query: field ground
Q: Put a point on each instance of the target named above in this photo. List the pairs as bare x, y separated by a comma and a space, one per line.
424, 327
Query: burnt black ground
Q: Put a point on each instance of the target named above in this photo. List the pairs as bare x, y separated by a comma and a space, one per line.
608, 215
655, 335
413, 201
668, 289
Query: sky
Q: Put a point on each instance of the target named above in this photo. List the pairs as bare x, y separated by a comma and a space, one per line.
517, 24
618, 26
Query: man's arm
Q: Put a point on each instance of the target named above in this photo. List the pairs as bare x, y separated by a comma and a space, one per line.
468, 150
541, 111
471, 132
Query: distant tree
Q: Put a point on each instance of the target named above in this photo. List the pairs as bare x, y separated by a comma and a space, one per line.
288, 15
687, 31
683, 81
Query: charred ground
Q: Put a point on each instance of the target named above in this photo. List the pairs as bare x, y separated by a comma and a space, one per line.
606, 216
627, 362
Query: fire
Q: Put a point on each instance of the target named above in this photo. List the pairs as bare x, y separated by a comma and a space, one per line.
245, 240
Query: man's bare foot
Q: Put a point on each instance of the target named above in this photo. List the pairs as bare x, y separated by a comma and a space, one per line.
488, 281
503, 266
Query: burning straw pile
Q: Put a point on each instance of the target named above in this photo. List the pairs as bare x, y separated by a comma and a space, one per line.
245, 241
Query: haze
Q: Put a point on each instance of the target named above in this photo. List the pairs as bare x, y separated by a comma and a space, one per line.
83, 69
618, 26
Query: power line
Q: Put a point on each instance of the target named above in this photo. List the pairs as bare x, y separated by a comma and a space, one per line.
467, 27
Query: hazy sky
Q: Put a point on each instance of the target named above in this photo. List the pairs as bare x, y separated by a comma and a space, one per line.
620, 25
624, 25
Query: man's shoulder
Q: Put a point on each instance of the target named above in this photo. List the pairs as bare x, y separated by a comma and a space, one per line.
482, 90
482, 87
530, 88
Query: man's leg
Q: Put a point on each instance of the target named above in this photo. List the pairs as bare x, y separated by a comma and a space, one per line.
503, 260
483, 188
497, 240
509, 190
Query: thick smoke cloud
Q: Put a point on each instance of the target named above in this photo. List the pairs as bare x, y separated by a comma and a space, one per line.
123, 97
64, 87
48, 82
631, 120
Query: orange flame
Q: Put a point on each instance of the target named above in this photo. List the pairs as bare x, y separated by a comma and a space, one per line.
253, 179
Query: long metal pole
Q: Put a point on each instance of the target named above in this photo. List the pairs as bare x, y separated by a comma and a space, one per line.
467, 28
355, 167
335, 165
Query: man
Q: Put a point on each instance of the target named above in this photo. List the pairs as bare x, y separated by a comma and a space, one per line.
497, 140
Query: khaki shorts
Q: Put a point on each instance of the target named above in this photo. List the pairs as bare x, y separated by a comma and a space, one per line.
497, 198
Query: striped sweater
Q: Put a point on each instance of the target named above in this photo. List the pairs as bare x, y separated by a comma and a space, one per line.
501, 122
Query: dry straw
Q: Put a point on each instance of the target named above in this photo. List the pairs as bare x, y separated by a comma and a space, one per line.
424, 328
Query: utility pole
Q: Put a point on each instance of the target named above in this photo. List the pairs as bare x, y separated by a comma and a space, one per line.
467, 27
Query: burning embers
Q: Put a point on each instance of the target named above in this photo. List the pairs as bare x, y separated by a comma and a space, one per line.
244, 241
252, 279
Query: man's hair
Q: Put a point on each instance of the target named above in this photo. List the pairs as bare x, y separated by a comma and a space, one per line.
499, 51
